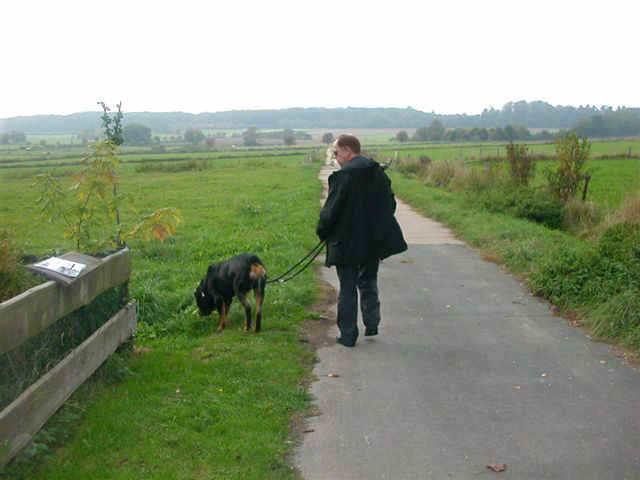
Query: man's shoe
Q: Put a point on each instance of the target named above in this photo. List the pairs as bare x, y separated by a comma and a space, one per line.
369, 332
342, 341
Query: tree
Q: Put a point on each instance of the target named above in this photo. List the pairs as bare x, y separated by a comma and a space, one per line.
136, 134
112, 124
289, 137
572, 153
193, 136
421, 134
436, 131
327, 138
402, 136
510, 132
250, 137
13, 137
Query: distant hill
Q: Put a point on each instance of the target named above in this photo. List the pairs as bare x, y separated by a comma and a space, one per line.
536, 114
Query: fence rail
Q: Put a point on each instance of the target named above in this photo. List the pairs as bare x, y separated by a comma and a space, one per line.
25, 315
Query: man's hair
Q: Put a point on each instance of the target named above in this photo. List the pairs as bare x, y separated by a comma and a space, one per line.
350, 142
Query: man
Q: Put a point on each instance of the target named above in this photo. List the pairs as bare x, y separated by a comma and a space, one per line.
357, 221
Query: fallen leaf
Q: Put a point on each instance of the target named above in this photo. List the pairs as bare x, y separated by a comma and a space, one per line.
333, 375
497, 467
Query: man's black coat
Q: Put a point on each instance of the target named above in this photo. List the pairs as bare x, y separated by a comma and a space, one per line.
357, 220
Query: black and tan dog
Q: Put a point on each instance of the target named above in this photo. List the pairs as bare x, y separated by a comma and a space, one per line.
232, 278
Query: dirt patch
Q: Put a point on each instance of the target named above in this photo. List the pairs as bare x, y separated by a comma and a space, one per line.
314, 334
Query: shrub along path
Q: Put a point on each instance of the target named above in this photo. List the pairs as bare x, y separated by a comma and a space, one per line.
469, 370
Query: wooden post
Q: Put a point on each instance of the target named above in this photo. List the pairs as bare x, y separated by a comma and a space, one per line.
586, 184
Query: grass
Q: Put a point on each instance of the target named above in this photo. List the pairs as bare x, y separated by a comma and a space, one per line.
190, 403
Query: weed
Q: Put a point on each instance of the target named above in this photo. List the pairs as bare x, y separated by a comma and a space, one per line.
521, 164
581, 216
441, 174
572, 154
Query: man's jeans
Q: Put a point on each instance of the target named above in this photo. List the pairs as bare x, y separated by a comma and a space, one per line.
364, 278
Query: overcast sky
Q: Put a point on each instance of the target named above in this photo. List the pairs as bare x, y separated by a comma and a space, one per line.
450, 56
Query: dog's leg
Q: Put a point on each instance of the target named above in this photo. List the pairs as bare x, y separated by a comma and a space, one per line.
259, 293
223, 308
247, 311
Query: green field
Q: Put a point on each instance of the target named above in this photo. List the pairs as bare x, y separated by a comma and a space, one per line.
194, 404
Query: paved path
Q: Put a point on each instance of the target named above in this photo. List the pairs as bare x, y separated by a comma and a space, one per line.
468, 370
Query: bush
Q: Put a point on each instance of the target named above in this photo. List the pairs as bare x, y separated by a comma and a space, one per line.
562, 276
621, 243
538, 206
521, 164
572, 153
190, 165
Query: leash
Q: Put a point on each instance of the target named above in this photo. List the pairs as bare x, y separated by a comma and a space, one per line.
308, 258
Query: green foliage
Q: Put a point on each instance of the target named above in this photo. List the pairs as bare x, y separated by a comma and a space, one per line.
420, 135
112, 124
624, 123
402, 136
521, 164
327, 138
14, 279
436, 131
136, 134
538, 206
13, 138
572, 153
190, 165
91, 207
581, 217
619, 318
91, 202
250, 137
159, 225
621, 243
193, 136
572, 276
91, 199
289, 137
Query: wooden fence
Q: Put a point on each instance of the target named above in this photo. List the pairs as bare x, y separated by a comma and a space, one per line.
25, 315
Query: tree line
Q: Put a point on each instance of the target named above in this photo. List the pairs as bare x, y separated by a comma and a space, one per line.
528, 114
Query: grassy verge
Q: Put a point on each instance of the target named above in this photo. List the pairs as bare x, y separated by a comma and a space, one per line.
184, 402
600, 282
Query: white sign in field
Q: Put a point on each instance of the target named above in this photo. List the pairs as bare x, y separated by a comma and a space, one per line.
62, 266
